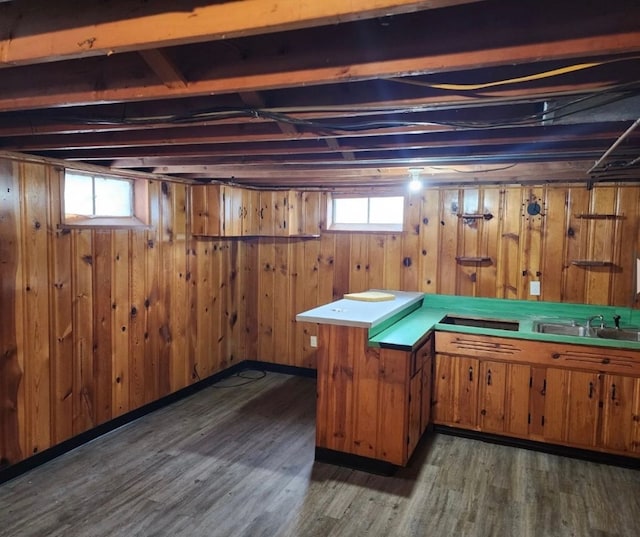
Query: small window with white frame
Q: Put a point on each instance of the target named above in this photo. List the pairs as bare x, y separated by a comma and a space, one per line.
102, 200
366, 213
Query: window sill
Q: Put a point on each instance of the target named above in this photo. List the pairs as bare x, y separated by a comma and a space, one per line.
365, 228
104, 223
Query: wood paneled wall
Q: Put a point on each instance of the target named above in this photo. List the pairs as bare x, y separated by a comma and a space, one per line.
96, 323
429, 256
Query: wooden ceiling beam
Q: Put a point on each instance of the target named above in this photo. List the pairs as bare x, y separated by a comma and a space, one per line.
335, 146
265, 138
343, 169
166, 70
540, 171
98, 119
155, 156
261, 132
40, 31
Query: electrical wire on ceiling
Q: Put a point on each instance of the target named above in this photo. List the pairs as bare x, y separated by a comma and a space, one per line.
617, 93
529, 120
527, 78
487, 170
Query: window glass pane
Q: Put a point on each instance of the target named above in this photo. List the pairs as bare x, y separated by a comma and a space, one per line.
78, 195
386, 210
113, 197
350, 210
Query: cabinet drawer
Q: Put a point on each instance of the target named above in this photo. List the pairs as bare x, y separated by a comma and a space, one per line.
603, 359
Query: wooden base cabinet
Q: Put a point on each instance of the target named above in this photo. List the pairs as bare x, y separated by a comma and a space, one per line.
514, 388
456, 391
372, 402
481, 395
621, 413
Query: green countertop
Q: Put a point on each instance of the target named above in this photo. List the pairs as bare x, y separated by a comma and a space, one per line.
410, 330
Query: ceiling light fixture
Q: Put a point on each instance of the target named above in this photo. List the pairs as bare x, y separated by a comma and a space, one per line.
415, 184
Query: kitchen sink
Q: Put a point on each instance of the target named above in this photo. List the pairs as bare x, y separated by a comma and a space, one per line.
482, 322
573, 329
560, 329
616, 333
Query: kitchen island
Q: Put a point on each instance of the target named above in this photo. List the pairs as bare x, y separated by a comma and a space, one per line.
373, 403
508, 368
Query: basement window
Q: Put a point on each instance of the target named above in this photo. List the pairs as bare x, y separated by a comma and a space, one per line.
104, 201
379, 213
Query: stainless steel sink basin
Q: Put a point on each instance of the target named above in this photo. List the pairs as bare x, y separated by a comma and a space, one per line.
573, 329
560, 329
615, 333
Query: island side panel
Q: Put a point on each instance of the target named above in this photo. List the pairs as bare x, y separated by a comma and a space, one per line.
393, 415
337, 351
362, 396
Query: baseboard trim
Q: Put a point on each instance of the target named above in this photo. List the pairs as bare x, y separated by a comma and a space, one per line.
553, 449
356, 462
280, 368
10, 472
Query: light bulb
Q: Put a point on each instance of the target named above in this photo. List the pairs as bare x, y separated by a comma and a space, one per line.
415, 183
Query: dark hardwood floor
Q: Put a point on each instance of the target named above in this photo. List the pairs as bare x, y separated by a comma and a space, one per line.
238, 461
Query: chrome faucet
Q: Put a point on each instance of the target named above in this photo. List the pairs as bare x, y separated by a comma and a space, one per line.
590, 319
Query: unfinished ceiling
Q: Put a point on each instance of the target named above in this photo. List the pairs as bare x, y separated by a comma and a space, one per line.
326, 93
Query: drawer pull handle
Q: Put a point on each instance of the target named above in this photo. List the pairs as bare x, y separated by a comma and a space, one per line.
613, 392
544, 387
489, 377
591, 390
555, 355
606, 360
470, 374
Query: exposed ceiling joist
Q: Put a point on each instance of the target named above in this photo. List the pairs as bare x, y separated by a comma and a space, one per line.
402, 48
326, 93
165, 68
39, 31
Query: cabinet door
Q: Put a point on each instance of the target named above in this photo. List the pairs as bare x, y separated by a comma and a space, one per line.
415, 408
456, 391
518, 400
280, 208
295, 224
267, 225
427, 378
582, 408
420, 392
620, 395
554, 387
233, 211
250, 212
492, 396
206, 210
636, 421
312, 213
572, 407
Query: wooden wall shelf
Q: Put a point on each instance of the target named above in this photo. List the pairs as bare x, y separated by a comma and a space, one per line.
598, 216
466, 259
591, 263
475, 216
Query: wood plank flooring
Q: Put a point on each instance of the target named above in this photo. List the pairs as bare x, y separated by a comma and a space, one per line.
238, 461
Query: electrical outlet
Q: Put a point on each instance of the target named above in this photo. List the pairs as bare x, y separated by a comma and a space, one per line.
534, 288
314, 342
